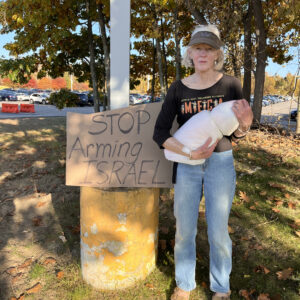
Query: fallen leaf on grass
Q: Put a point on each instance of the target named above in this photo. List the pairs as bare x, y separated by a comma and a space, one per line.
262, 269
287, 195
297, 233
263, 297
263, 193
279, 203
230, 229
49, 261
243, 196
275, 297
16, 278
60, 274
21, 297
40, 204
291, 205
26, 263
257, 247
253, 207
12, 271
295, 225
76, 229
34, 289
149, 286
245, 294
37, 221
284, 274
276, 185
246, 254
163, 198
276, 210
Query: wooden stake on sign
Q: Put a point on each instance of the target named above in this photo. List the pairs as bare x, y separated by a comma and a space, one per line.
119, 53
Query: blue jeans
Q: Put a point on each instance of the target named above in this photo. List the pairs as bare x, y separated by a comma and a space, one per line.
217, 175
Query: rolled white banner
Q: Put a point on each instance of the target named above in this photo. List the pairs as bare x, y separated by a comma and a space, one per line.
194, 133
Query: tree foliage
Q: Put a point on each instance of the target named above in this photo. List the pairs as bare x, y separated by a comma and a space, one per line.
52, 37
63, 98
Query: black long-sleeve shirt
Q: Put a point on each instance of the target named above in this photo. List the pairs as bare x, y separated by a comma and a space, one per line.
184, 102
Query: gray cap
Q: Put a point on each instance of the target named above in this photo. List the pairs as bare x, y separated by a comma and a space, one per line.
206, 37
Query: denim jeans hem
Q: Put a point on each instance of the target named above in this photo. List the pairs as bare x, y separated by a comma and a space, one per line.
187, 289
219, 291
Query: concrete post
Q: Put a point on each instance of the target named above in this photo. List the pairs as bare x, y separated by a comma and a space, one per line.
118, 235
118, 226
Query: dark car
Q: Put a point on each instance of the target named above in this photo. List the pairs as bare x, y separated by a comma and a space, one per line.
294, 114
83, 99
8, 95
90, 100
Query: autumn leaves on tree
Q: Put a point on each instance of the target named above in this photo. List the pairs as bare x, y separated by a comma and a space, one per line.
54, 37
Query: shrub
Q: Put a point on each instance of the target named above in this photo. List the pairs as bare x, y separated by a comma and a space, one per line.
64, 98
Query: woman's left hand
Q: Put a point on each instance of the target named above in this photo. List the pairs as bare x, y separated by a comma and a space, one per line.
243, 113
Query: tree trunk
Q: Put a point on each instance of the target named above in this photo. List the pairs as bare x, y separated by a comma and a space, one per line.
160, 70
106, 55
164, 57
158, 52
298, 116
298, 102
260, 60
199, 17
153, 72
92, 59
247, 54
177, 44
236, 69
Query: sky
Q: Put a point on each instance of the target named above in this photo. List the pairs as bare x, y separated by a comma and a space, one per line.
271, 69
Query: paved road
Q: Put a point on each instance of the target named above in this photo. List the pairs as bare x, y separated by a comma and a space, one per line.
278, 114
274, 114
45, 111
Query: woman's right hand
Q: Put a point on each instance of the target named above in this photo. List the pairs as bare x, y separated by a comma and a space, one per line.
204, 151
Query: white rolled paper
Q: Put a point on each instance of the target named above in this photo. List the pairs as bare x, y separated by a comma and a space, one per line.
194, 133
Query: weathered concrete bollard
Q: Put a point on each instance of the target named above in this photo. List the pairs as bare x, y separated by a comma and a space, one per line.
119, 229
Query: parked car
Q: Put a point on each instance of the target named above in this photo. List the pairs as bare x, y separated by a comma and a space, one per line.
294, 114
23, 96
8, 95
39, 98
83, 99
90, 99
265, 103
135, 99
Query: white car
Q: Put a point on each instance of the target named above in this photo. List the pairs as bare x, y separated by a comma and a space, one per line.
39, 98
23, 96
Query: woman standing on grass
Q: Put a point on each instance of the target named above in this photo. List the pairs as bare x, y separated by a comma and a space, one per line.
203, 90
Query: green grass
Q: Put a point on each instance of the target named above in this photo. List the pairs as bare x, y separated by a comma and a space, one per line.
37, 271
263, 229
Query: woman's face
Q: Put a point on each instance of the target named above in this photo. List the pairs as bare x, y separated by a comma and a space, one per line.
203, 56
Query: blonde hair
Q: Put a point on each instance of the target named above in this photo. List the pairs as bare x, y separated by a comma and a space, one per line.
187, 61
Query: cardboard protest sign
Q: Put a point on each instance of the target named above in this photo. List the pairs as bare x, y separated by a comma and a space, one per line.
115, 149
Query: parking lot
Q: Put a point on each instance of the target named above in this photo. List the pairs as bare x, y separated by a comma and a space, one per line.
275, 114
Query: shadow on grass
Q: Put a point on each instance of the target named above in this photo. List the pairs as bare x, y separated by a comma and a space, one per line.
32, 165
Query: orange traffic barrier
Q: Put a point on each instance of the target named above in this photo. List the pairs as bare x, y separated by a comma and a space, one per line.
10, 108
27, 108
